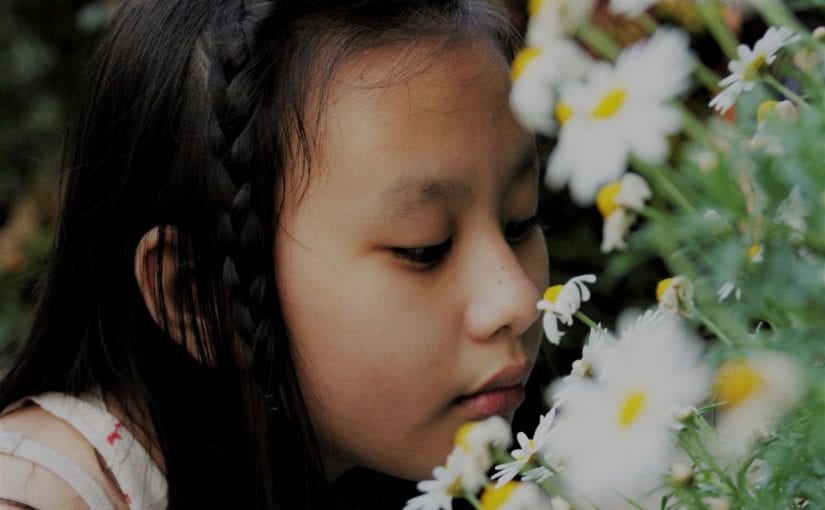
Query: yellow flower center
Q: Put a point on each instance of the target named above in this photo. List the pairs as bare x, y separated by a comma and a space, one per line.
462, 437
563, 112
662, 287
455, 490
753, 67
754, 252
524, 57
606, 198
493, 498
765, 109
534, 6
610, 104
552, 293
527, 456
736, 381
631, 408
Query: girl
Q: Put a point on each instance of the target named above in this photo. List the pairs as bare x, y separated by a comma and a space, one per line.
296, 237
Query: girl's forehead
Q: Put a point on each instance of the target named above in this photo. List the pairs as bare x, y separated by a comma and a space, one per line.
424, 70
417, 105
420, 114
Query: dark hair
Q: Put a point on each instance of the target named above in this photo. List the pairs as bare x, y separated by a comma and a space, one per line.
196, 111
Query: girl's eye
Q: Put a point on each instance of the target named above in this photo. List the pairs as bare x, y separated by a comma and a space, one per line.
424, 257
521, 230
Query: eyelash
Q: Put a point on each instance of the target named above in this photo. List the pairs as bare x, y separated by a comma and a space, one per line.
427, 257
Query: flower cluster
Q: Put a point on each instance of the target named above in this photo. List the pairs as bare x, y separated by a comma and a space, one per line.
714, 398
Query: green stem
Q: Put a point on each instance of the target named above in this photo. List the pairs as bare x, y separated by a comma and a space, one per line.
656, 174
721, 335
469, 496
648, 23
692, 125
775, 13
785, 91
687, 496
598, 41
709, 11
706, 76
588, 321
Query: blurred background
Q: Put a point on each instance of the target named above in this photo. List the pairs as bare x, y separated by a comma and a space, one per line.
43, 45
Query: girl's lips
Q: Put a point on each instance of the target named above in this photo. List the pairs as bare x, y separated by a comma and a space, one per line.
501, 401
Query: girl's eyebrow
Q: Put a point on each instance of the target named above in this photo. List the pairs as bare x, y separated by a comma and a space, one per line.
410, 193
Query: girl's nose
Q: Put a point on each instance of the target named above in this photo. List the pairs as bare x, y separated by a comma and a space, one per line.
504, 297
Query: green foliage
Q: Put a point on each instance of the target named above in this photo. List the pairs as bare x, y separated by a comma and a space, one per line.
42, 47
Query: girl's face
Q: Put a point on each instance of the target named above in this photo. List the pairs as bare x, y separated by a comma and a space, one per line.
410, 268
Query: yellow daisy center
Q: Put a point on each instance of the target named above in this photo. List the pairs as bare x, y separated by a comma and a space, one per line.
610, 103
524, 57
563, 112
662, 287
534, 6
552, 293
736, 381
765, 109
455, 489
462, 437
632, 407
493, 498
606, 198
753, 67
754, 251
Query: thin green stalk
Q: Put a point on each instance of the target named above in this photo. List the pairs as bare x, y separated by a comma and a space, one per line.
709, 12
692, 125
648, 23
777, 14
704, 455
688, 497
785, 91
656, 174
721, 335
598, 41
706, 76
587, 320
469, 496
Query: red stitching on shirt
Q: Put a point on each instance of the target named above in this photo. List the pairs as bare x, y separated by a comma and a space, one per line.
115, 435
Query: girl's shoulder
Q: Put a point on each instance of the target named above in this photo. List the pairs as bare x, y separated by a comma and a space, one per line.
61, 451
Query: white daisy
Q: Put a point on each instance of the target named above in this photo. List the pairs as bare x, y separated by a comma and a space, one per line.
617, 202
599, 345
631, 7
528, 450
675, 295
537, 72
514, 496
617, 111
745, 70
793, 212
560, 302
615, 229
479, 438
727, 289
754, 393
681, 473
557, 503
756, 253
617, 436
771, 116
460, 474
551, 20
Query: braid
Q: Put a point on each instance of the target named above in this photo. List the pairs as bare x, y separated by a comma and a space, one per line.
230, 47
229, 44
